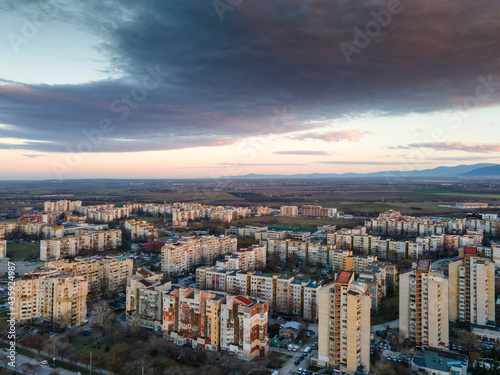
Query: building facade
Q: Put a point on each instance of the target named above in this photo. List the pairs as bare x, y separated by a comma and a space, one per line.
423, 306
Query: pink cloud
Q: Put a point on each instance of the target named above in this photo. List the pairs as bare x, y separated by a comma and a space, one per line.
353, 135
473, 147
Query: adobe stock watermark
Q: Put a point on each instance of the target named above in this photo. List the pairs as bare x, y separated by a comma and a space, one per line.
277, 125
482, 92
372, 29
485, 88
11, 331
224, 6
122, 107
31, 26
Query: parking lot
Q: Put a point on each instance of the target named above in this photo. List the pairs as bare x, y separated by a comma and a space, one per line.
300, 350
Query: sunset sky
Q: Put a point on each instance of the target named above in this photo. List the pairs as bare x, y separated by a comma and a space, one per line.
202, 88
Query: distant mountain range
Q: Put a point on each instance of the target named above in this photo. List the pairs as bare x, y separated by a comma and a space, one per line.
474, 170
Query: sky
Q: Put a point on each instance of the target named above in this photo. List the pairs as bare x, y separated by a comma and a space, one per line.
216, 88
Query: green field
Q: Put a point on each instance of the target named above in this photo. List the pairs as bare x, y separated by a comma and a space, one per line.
456, 194
21, 251
374, 207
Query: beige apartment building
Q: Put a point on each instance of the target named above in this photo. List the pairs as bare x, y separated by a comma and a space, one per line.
203, 319
107, 273
472, 289
144, 299
184, 255
141, 230
289, 211
3, 249
313, 252
344, 324
62, 206
423, 306
50, 296
71, 246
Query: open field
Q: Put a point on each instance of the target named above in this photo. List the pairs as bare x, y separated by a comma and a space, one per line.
22, 250
467, 195
360, 197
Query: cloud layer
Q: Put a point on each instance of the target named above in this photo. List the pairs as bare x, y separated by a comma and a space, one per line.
232, 79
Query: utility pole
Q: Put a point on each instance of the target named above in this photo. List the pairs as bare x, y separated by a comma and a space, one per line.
90, 363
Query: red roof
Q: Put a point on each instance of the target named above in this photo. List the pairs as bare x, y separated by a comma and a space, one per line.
471, 250
246, 301
344, 277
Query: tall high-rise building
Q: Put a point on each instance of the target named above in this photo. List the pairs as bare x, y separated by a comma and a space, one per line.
48, 295
344, 324
472, 289
3, 249
423, 306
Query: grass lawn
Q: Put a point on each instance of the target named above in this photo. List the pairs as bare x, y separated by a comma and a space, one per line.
22, 250
388, 311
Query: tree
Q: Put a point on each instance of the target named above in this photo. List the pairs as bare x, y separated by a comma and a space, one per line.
55, 372
468, 341
117, 356
209, 370
64, 348
5, 360
384, 368
30, 369
174, 370
103, 314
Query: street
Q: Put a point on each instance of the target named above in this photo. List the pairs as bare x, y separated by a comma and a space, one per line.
46, 369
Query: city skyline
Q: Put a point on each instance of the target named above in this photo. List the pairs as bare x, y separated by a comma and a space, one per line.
209, 89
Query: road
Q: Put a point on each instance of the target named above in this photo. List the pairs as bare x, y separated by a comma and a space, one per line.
46, 369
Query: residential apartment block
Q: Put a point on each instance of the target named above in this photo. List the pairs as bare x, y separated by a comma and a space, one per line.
107, 273
423, 306
204, 319
289, 211
62, 206
472, 289
318, 211
49, 296
285, 294
141, 230
344, 324
399, 225
184, 255
314, 253
71, 246
3, 249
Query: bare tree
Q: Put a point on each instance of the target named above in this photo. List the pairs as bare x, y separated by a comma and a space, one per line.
64, 348
5, 360
30, 369
103, 314
55, 372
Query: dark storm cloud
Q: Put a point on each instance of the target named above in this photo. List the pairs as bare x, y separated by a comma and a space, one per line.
227, 80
